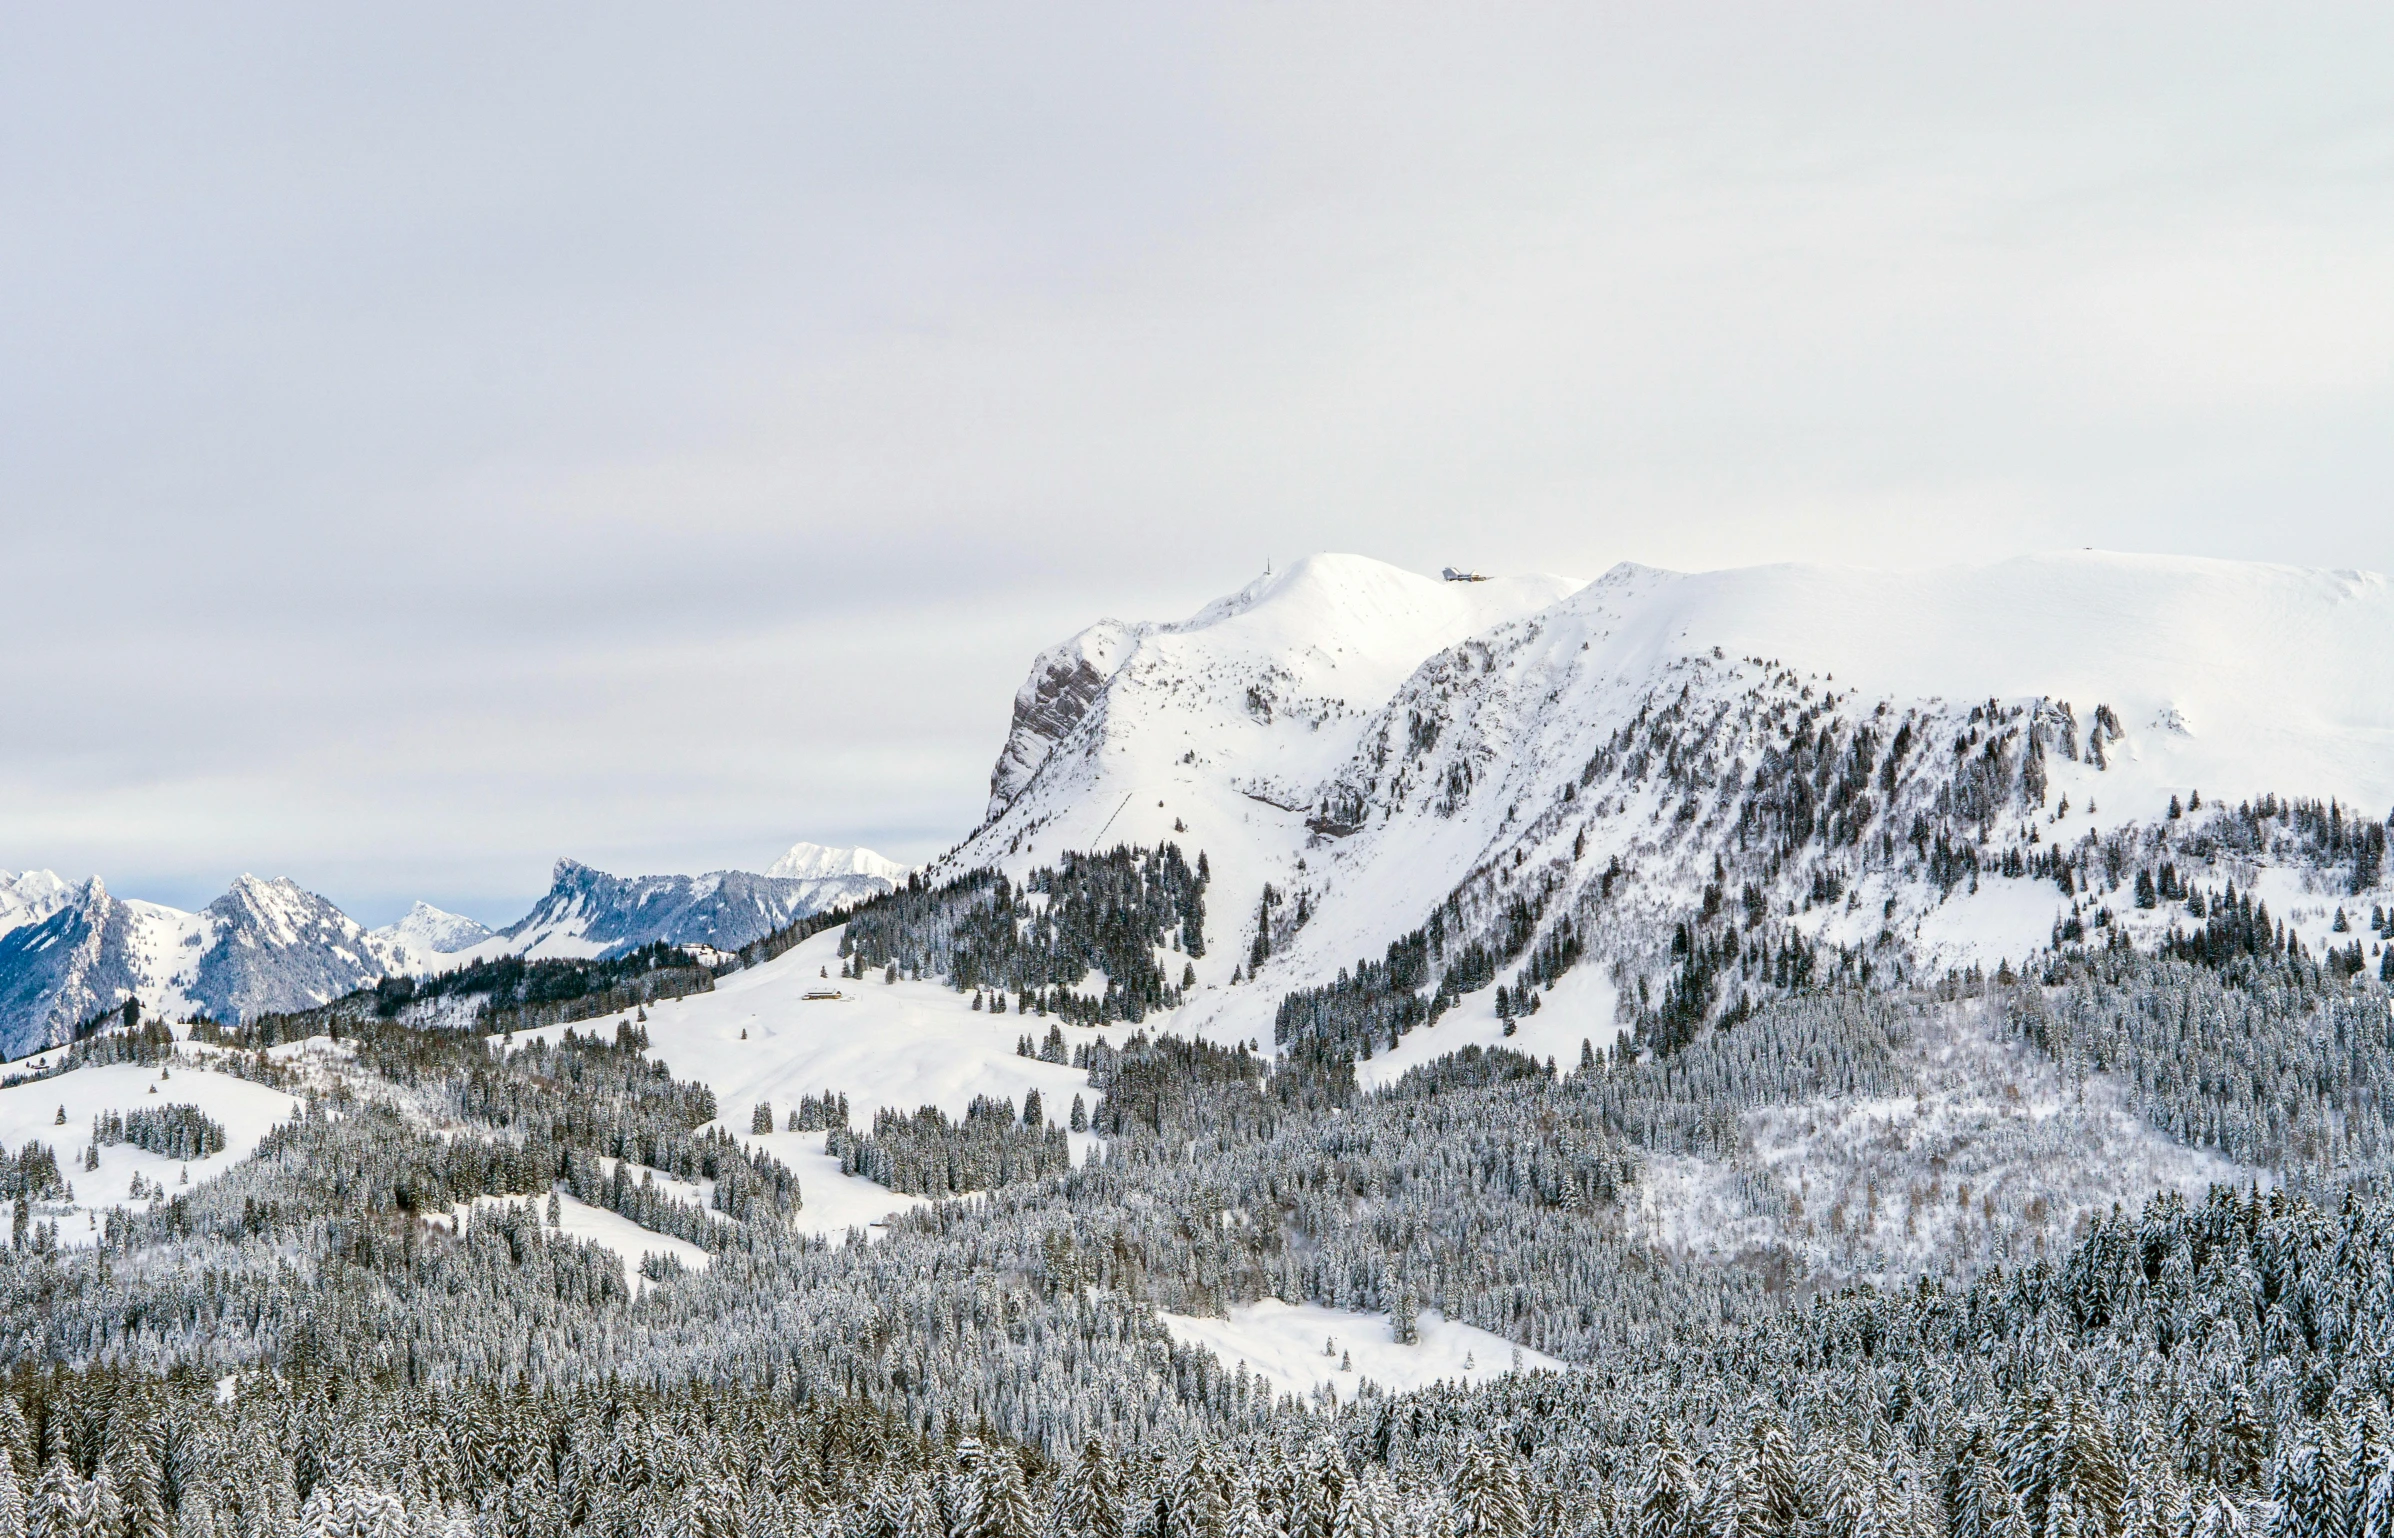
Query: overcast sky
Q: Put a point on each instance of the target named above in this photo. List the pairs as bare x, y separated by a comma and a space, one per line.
437, 439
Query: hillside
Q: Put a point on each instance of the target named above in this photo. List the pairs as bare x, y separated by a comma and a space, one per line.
1219, 730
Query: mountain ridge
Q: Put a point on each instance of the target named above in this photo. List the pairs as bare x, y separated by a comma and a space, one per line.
270, 945
1522, 763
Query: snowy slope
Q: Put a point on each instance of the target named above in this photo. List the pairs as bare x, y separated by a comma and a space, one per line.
28, 897
2234, 676
1303, 1348
898, 1045
274, 945
895, 1046
1991, 1151
1217, 731
30, 1113
78, 960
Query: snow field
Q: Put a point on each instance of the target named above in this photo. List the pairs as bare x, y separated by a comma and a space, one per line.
29, 1114
1282, 1343
1217, 731
898, 1045
833, 1203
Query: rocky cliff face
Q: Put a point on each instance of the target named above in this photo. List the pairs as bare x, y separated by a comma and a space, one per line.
54, 974
274, 945
1066, 683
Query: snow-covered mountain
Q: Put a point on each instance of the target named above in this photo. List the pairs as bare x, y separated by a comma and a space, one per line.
815, 862
591, 913
1870, 766
275, 945
1219, 730
28, 897
425, 937
264, 945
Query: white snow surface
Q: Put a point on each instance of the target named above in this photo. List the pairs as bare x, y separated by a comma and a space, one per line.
2234, 676
1283, 1344
29, 1113
611, 1230
895, 1046
814, 862
898, 1045
1218, 731
1579, 1010
831, 1204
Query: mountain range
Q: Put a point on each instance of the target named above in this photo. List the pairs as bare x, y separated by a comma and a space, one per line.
1900, 772
69, 951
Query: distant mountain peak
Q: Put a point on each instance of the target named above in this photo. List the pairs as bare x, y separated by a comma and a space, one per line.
28, 897
590, 912
424, 936
817, 862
